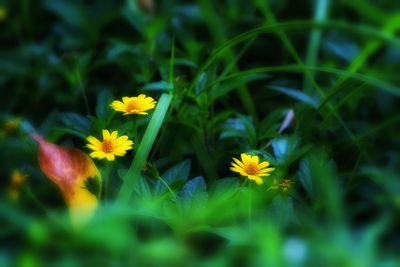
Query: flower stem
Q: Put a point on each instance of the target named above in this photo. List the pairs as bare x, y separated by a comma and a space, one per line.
167, 186
249, 211
106, 175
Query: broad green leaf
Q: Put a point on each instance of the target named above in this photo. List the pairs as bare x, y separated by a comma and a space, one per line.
192, 188
175, 177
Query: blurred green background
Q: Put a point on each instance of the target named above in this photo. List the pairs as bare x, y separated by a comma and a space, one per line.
239, 69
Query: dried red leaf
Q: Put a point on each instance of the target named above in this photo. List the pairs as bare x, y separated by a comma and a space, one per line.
70, 169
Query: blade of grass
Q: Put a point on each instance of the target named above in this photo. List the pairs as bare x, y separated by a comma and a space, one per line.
280, 27
82, 89
394, 120
343, 100
370, 48
320, 12
380, 84
367, 9
359, 30
219, 36
384, 86
270, 17
132, 176
271, 20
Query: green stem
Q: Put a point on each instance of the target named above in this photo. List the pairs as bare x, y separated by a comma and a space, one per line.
106, 175
204, 157
249, 211
167, 186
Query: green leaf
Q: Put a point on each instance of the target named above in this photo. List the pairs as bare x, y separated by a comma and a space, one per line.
241, 127
380, 84
192, 188
75, 121
158, 86
226, 87
71, 12
224, 184
296, 94
281, 210
305, 177
103, 104
175, 177
319, 171
284, 147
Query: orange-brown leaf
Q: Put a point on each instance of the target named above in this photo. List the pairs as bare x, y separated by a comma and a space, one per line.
69, 169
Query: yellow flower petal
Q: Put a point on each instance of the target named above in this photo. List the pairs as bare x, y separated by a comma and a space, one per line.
106, 134
238, 162
245, 158
124, 145
236, 169
119, 153
254, 159
94, 141
237, 166
266, 170
258, 180
263, 174
114, 135
263, 164
110, 157
125, 99
93, 147
118, 105
122, 139
97, 154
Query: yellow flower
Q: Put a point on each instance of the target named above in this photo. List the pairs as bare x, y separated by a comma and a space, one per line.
284, 185
111, 146
17, 178
134, 105
3, 13
13, 194
11, 126
250, 167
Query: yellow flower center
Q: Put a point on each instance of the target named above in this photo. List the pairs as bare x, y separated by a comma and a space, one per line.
107, 146
132, 105
251, 168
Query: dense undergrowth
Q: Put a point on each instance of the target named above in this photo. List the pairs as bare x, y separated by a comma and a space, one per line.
312, 87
